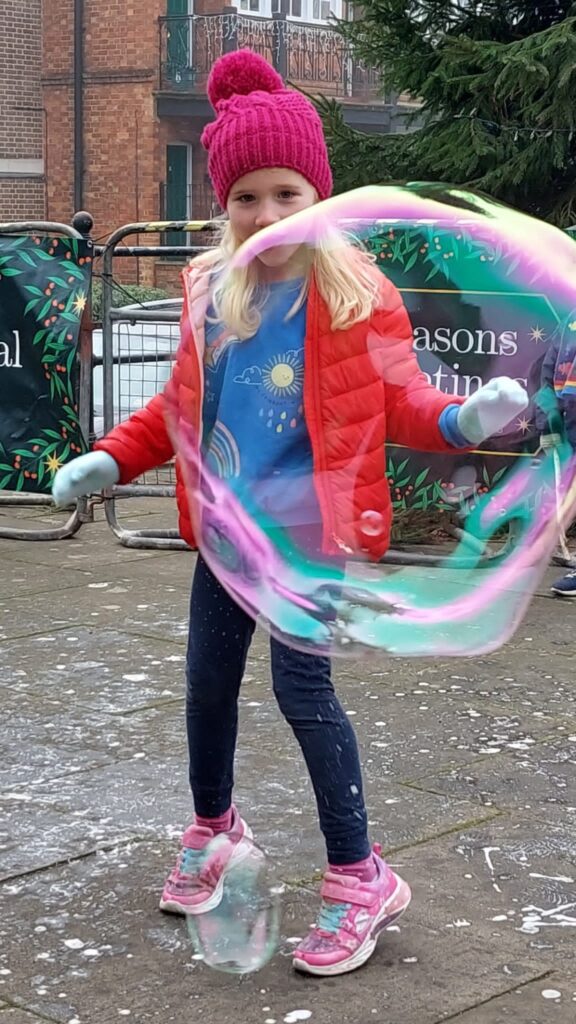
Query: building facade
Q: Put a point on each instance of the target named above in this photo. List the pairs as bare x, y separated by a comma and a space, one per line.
126, 110
22, 118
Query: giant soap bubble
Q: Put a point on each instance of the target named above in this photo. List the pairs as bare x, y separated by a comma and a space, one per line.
307, 550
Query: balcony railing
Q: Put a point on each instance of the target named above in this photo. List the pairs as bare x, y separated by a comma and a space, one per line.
311, 56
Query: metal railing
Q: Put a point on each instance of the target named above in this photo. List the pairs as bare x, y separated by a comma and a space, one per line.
138, 349
307, 55
136, 368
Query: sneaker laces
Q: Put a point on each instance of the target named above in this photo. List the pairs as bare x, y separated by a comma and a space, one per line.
206, 865
191, 861
331, 916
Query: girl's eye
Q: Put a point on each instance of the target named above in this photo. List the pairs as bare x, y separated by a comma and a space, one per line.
247, 198
286, 194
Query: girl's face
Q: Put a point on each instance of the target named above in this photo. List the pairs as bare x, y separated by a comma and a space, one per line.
262, 198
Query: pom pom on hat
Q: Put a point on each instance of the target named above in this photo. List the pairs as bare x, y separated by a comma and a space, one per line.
238, 74
260, 124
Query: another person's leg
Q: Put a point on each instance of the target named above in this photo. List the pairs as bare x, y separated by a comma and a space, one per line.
218, 643
566, 585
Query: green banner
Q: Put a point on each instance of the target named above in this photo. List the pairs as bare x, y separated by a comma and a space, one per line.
471, 324
44, 286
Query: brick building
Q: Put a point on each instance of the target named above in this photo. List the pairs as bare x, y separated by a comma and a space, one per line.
22, 118
140, 81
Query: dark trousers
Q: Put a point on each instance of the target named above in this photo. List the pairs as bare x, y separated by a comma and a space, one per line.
219, 638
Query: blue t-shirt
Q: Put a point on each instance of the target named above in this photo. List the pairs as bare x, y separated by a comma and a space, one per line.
254, 431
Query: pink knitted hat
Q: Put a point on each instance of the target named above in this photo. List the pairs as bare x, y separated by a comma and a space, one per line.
260, 123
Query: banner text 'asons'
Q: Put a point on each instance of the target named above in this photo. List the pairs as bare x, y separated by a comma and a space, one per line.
464, 341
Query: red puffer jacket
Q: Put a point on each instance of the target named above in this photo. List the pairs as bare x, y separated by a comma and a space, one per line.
361, 387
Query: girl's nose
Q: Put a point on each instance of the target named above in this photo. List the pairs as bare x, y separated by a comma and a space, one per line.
266, 216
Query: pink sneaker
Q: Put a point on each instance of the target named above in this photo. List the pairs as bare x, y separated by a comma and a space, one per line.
195, 885
352, 915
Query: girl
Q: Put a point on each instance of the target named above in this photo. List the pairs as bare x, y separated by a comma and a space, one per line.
316, 322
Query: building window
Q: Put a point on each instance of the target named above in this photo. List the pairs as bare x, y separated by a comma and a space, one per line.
309, 11
321, 10
252, 6
292, 8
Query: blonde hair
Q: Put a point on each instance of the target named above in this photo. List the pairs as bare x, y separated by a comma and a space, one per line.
344, 273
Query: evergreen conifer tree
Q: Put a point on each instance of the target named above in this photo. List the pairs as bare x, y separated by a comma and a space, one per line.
497, 82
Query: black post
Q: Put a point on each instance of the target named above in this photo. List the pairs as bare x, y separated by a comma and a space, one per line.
230, 29
78, 104
84, 222
280, 43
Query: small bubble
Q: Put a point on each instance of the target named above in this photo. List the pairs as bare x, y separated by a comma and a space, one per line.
371, 523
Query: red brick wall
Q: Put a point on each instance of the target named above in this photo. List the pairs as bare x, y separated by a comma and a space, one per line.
210, 6
120, 126
20, 131
21, 199
21, 117
167, 276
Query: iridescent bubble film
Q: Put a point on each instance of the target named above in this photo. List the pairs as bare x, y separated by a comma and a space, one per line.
488, 291
241, 933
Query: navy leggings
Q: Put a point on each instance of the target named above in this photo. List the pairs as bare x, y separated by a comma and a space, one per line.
219, 638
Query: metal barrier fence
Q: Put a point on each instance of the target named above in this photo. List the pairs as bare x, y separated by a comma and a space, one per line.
138, 348
121, 368
15, 499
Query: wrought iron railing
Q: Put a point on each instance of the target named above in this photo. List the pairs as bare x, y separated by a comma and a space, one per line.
311, 56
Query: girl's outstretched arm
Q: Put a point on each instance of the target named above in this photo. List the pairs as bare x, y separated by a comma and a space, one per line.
140, 443
413, 405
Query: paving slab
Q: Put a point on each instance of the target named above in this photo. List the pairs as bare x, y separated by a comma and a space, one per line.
33, 837
119, 673
159, 610
518, 873
540, 778
527, 680
56, 746
550, 999
94, 933
13, 1015
109, 671
20, 579
404, 737
93, 544
144, 796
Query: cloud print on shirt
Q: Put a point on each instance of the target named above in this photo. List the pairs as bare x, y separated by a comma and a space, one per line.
251, 375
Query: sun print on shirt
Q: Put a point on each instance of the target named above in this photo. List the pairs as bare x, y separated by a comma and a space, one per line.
281, 383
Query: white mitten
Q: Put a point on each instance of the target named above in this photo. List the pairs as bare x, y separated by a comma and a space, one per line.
86, 474
491, 408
